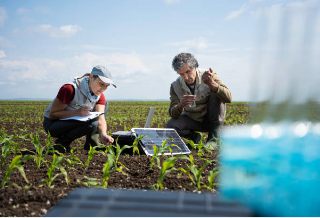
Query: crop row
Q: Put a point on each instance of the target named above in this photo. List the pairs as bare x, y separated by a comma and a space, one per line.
55, 164
23, 140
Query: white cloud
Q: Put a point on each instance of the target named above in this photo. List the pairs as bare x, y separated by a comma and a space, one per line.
198, 44
234, 14
123, 65
223, 50
96, 47
43, 10
267, 11
61, 32
26, 11
129, 72
22, 11
256, 1
137, 76
25, 15
5, 43
37, 69
169, 2
2, 54
3, 16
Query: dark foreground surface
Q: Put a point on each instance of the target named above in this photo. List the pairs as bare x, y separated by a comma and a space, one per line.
84, 202
38, 198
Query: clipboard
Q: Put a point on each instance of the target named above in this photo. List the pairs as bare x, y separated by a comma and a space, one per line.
91, 116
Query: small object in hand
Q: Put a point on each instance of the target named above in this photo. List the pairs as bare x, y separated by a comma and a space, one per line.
79, 106
193, 104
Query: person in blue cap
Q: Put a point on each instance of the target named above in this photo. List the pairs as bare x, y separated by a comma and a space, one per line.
78, 98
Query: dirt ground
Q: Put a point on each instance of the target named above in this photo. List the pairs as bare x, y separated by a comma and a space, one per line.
38, 199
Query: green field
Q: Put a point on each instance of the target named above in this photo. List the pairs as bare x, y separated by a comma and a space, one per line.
122, 115
29, 165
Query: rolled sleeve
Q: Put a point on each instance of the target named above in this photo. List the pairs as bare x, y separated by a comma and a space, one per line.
223, 93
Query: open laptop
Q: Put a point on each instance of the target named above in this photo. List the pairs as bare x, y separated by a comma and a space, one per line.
128, 137
152, 137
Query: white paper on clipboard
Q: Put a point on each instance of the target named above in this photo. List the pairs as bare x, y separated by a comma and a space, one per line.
91, 116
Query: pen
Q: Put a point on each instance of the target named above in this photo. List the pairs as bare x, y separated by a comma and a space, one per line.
79, 106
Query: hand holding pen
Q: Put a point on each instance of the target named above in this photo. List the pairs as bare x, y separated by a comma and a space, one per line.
84, 110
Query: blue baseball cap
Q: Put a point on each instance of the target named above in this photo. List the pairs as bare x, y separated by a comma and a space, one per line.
104, 74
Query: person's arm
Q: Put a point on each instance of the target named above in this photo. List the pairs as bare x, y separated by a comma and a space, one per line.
177, 106
57, 111
102, 126
217, 86
64, 97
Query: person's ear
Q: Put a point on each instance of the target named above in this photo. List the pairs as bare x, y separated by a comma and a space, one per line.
90, 77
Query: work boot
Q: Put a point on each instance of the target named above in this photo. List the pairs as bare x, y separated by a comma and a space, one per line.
194, 136
62, 144
213, 136
211, 145
91, 140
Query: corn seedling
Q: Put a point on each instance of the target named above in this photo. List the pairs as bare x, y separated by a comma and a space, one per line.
49, 142
135, 145
77, 149
8, 140
72, 160
92, 182
212, 175
56, 164
40, 151
5, 152
158, 152
195, 175
200, 147
91, 153
167, 167
7, 147
15, 163
108, 169
116, 150
2, 131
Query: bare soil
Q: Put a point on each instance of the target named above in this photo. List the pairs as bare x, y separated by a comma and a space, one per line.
38, 198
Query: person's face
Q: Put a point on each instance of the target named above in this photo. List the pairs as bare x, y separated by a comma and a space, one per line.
188, 75
97, 86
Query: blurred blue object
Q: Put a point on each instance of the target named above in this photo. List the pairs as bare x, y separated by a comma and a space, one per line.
273, 168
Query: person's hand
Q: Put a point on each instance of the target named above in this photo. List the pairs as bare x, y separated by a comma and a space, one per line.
84, 111
186, 100
207, 78
107, 140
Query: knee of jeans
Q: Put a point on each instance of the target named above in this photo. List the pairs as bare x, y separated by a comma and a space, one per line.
172, 123
93, 126
169, 124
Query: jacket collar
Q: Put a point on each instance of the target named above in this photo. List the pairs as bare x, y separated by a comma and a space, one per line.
185, 87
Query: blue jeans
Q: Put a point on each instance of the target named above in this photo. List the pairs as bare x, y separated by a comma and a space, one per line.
213, 121
70, 130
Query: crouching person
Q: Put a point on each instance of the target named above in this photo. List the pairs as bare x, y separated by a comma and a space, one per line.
197, 101
78, 98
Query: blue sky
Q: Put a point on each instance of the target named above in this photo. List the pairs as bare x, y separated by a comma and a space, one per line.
44, 44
